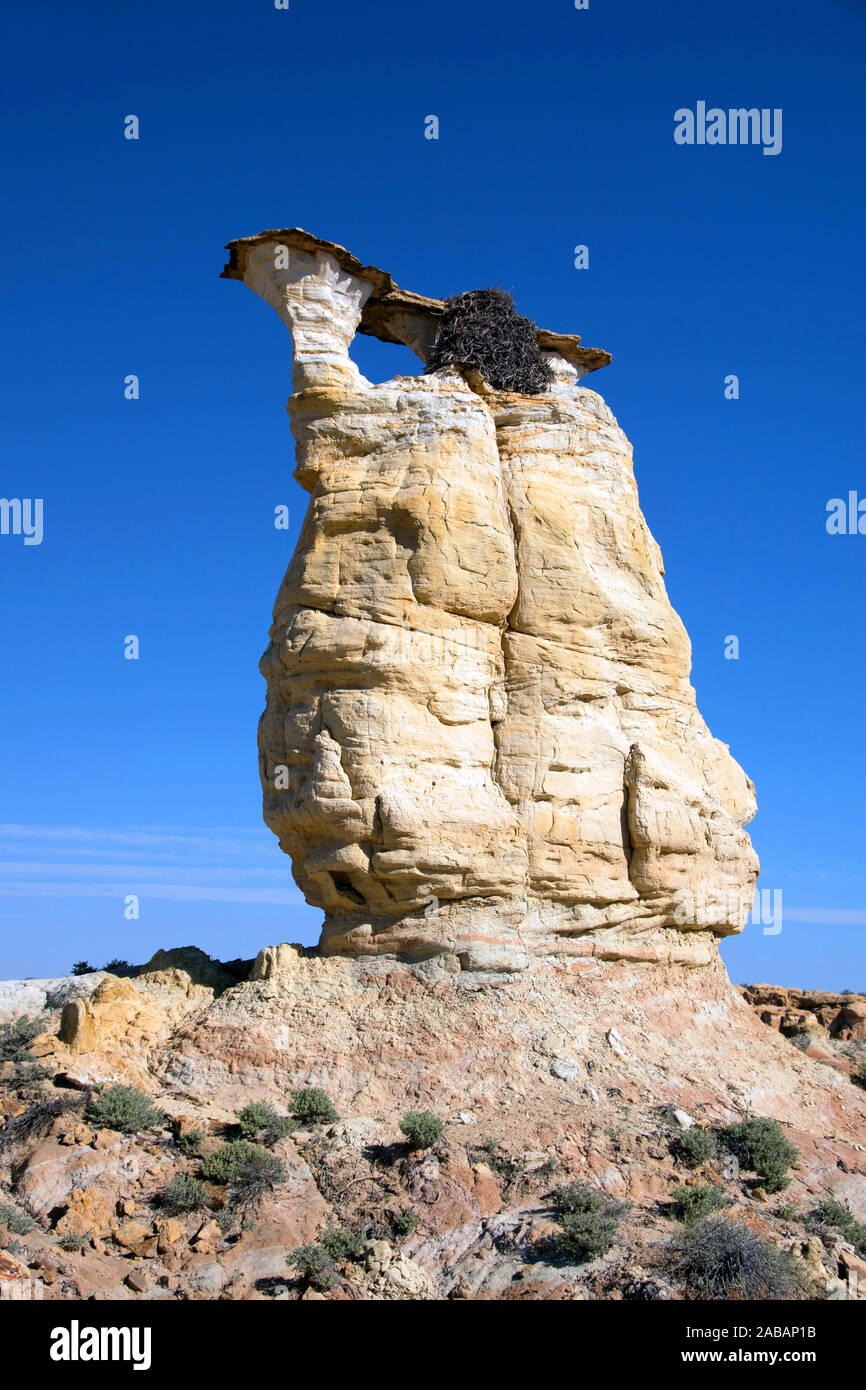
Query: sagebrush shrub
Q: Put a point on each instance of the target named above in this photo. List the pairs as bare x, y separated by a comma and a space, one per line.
314, 1265
258, 1120
761, 1145
123, 1108
691, 1203
73, 1242
403, 1223
189, 1141
312, 1106
720, 1259
17, 1222
16, 1036
184, 1193
840, 1217
248, 1170
695, 1146
421, 1128
341, 1244
589, 1220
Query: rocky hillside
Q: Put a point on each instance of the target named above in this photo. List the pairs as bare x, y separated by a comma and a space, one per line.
586, 1070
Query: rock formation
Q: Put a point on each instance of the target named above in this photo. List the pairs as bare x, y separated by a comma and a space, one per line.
480, 739
842, 1016
584, 1069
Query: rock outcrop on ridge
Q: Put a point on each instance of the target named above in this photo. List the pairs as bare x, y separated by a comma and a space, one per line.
480, 740
584, 1069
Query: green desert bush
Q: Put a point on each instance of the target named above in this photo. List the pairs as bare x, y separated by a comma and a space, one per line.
421, 1129
340, 1245
260, 1121
489, 1151
314, 1265
17, 1222
189, 1141
248, 1170
760, 1144
695, 1146
184, 1193
859, 1077
403, 1223
16, 1037
720, 1259
692, 1203
83, 967
312, 1106
123, 1108
73, 1242
829, 1216
589, 1220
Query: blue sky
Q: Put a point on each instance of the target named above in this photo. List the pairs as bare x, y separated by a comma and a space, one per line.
556, 129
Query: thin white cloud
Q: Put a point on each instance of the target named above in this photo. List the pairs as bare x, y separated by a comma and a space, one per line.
219, 864
825, 916
200, 892
139, 871
219, 840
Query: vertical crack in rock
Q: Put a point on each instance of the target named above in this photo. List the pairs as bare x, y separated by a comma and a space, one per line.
477, 687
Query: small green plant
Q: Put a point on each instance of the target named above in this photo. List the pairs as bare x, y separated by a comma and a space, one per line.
189, 1141
117, 966
696, 1146
260, 1121
74, 1242
720, 1259
341, 1245
489, 1151
786, 1212
16, 1037
123, 1108
692, 1203
421, 1128
761, 1145
311, 1106
859, 1077
837, 1216
226, 1218
184, 1193
588, 1218
314, 1265
17, 1222
403, 1223
249, 1171
83, 967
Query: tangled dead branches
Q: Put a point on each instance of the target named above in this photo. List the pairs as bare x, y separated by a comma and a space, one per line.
482, 330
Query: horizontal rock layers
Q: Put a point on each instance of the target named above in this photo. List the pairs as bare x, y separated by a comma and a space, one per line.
480, 738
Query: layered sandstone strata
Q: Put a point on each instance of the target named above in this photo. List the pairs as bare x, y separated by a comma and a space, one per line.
480, 738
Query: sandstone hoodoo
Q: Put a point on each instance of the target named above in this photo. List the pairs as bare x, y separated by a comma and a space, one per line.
480, 742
